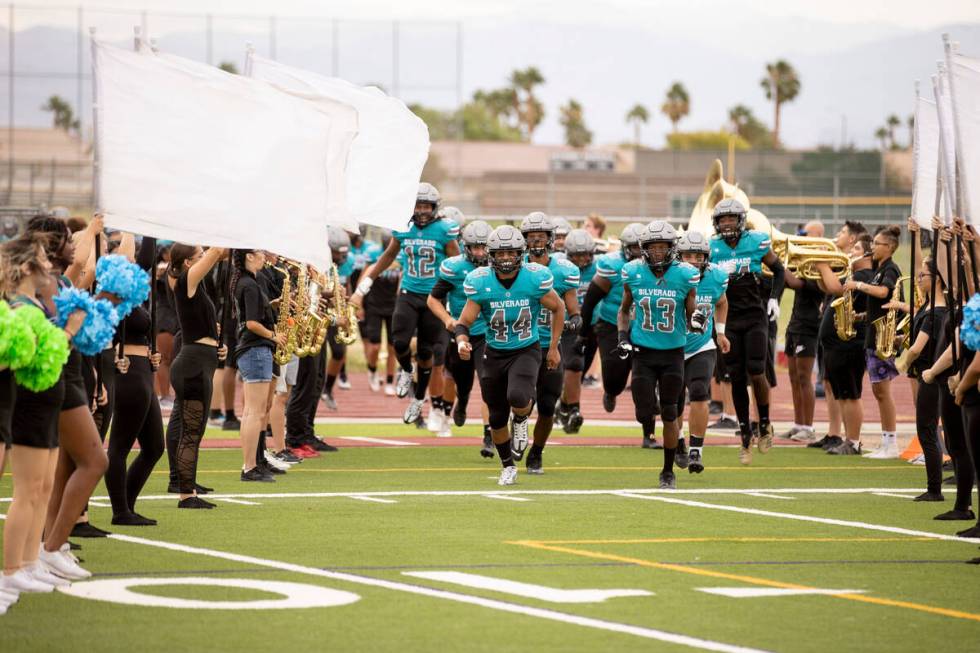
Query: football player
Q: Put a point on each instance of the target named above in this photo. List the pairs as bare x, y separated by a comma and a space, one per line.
699, 348
449, 288
580, 250
509, 295
539, 234
658, 303
741, 252
423, 245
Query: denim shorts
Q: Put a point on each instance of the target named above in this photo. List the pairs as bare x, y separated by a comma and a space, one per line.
255, 365
879, 370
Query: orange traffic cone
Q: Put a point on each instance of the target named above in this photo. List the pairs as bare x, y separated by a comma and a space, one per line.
912, 450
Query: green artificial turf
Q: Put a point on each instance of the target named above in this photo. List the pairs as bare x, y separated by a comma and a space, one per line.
918, 591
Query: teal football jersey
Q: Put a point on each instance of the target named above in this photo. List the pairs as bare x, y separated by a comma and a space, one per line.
711, 288
660, 318
610, 267
510, 313
345, 269
424, 251
566, 277
584, 279
366, 254
454, 270
746, 257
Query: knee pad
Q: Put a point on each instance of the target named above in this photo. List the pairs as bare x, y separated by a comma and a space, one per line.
519, 397
337, 350
402, 347
699, 390
669, 412
498, 417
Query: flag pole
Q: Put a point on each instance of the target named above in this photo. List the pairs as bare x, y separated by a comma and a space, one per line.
948, 199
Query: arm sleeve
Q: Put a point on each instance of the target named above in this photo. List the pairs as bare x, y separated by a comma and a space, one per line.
592, 297
146, 253
441, 290
778, 280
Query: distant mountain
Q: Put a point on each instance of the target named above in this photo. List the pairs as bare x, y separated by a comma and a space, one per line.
864, 74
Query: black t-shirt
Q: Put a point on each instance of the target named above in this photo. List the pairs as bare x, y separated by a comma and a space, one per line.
745, 299
828, 334
195, 314
885, 274
136, 328
931, 322
253, 306
805, 318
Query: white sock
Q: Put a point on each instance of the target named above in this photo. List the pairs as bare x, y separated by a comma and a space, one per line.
888, 437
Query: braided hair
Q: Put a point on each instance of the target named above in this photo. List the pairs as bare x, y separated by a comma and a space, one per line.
238, 267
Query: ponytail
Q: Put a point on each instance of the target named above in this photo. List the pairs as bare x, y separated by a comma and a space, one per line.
179, 253
238, 266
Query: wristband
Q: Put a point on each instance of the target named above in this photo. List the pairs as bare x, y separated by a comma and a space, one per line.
624, 336
364, 286
720, 328
461, 330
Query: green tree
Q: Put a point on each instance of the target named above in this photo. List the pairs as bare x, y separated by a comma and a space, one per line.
62, 113
573, 120
882, 135
781, 84
637, 116
910, 123
527, 108
228, 67
705, 140
744, 123
891, 124
677, 104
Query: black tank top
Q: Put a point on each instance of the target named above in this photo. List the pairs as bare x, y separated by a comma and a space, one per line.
195, 314
136, 329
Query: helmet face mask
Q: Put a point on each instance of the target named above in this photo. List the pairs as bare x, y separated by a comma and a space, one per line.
695, 249
580, 248
475, 235
659, 245
426, 205
539, 233
728, 219
505, 249
630, 241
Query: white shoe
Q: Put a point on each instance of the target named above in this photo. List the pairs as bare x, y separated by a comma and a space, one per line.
413, 411
42, 574
275, 462
446, 431
343, 384
389, 390
805, 435
23, 581
508, 475
518, 434
435, 420
403, 383
918, 460
886, 452
63, 563
374, 382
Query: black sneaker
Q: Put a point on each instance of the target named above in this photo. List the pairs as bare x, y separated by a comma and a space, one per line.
668, 481
232, 424
534, 463
696, 466
195, 503
930, 496
589, 381
74, 547
287, 457
132, 519
574, 422
201, 489
256, 475
818, 444
832, 441
459, 411
715, 407
956, 515
682, 457
488, 450
318, 444
973, 531
86, 529
608, 402
651, 443
269, 469
949, 480
948, 466
724, 424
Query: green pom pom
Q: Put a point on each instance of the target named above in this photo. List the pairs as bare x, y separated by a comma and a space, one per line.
50, 355
17, 346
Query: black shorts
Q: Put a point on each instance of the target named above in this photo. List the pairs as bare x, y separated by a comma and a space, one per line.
802, 346
442, 344
229, 361
75, 393
508, 379
657, 371
8, 394
749, 352
463, 372
372, 325
572, 360
615, 371
721, 371
414, 319
549, 387
35, 419
844, 371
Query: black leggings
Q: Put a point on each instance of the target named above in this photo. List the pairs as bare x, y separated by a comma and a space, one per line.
971, 419
191, 375
305, 397
463, 371
956, 445
136, 417
101, 368
615, 370
745, 359
926, 428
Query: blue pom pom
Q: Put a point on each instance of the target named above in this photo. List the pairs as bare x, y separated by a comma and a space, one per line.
100, 322
970, 329
127, 281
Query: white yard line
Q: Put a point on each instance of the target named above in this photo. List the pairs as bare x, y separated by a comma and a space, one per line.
240, 502
505, 497
766, 495
514, 608
891, 494
394, 443
372, 499
793, 516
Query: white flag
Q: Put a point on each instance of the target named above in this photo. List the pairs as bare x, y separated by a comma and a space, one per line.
965, 74
190, 153
386, 156
947, 141
926, 155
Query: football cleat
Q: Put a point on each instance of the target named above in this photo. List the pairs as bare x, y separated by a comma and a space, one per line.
435, 420
682, 457
446, 431
608, 402
535, 463
561, 415
574, 422
508, 475
403, 384
745, 455
518, 435
696, 466
459, 412
766, 435
487, 450
414, 411
651, 443
374, 381
668, 481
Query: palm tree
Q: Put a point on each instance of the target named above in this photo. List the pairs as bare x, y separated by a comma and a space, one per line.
882, 135
739, 116
910, 123
62, 113
527, 107
639, 116
677, 104
573, 120
228, 67
781, 84
891, 123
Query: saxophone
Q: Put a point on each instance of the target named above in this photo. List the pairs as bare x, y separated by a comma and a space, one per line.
342, 309
286, 322
315, 321
843, 308
886, 328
